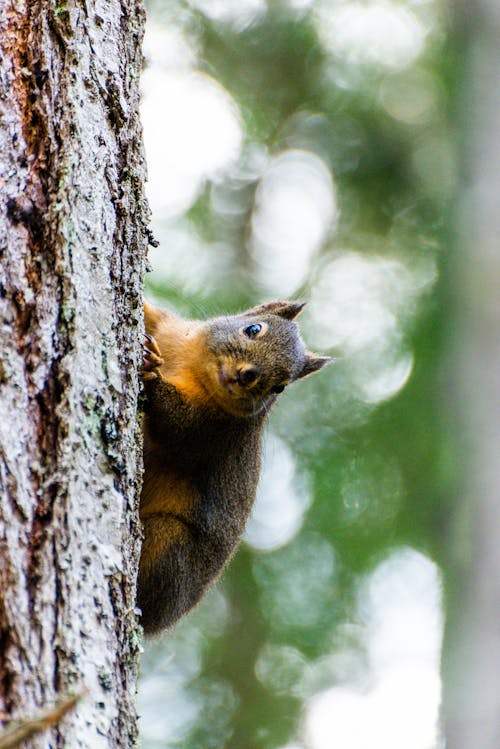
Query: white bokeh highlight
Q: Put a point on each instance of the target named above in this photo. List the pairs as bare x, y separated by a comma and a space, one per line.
359, 307
379, 33
237, 14
192, 127
295, 207
398, 703
282, 499
413, 97
356, 299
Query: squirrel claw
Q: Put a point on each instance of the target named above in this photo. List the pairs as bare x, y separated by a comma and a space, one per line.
151, 358
152, 345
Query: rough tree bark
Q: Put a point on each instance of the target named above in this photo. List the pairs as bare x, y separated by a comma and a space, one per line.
72, 246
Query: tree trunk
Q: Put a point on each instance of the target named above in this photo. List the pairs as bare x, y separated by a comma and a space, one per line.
72, 247
472, 694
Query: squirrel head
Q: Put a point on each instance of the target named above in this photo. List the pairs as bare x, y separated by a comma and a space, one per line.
254, 355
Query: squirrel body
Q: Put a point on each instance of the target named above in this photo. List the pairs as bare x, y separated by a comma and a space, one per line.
208, 385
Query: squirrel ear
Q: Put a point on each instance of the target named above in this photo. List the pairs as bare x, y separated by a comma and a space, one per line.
313, 364
288, 310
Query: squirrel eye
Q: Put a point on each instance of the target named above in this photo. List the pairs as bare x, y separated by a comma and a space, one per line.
277, 389
251, 331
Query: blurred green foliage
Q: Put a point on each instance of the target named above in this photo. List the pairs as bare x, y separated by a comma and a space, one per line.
236, 673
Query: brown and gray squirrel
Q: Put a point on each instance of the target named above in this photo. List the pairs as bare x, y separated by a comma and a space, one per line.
209, 385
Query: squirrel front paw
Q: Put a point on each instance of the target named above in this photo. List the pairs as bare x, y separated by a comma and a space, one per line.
151, 358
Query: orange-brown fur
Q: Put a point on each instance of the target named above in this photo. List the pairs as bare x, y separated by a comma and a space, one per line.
182, 348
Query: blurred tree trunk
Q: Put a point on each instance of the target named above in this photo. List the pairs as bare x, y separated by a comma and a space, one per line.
72, 247
472, 696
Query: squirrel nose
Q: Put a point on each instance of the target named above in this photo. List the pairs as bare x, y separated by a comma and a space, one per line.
247, 375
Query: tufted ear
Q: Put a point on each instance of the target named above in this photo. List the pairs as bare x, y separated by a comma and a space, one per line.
313, 364
285, 309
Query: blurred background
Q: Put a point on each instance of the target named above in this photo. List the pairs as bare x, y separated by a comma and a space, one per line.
308, 149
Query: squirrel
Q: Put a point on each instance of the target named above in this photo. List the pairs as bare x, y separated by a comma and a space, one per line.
208, 388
